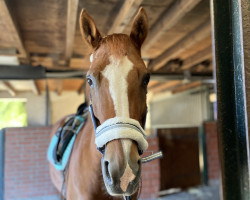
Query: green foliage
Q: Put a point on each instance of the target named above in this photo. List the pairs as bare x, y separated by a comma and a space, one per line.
12, 113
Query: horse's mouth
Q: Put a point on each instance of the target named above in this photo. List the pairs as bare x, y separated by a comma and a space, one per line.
115, 187
113, 190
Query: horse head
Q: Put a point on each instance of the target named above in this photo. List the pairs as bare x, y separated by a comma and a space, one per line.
117, 81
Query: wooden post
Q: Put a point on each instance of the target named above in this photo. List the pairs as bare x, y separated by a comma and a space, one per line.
10, 88
70, 28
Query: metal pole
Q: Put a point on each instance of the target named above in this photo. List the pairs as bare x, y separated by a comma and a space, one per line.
232, 113
203, 155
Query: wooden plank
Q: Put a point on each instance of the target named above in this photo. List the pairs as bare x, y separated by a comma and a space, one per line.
171, 66
42, 60
126, 12
204, 67
70, 27
12, 28
186, 87
168, 19
80, 63
152, 83
165, 86
195, 36
197, 58
35, 88
58, 86
10, 88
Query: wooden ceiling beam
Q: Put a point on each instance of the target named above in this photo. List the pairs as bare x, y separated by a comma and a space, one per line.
195, 36
70, 28
165, 86
186, 87
168, 19
13, 29
197, 58
42, 60
9, 88
126, 12
59, 86
152, 84
35, 88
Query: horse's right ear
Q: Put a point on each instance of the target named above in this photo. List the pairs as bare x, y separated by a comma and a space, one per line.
139, 29
88, 30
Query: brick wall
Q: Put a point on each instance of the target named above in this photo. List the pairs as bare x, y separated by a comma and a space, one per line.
151, 172
212, 151
26, 175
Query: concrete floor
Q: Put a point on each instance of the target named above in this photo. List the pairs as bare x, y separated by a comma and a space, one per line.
199, 193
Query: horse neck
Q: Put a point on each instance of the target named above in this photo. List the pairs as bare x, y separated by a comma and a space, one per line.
85, 147
86, 139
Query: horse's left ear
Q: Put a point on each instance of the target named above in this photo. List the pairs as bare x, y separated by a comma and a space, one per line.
139, 29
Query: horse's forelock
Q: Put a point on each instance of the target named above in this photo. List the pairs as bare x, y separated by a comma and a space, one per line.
118, 45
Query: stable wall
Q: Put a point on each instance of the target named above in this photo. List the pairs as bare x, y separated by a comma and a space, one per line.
26, 172
190, 108
213, 166
64, 104
26, 175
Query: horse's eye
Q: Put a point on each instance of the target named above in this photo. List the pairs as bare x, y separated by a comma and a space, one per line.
146, 80
90, 82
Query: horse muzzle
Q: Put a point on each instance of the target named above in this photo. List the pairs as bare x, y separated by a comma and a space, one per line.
121, 167
122, 141
121, 164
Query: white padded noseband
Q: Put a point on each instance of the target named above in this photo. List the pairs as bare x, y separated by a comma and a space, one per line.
121, 128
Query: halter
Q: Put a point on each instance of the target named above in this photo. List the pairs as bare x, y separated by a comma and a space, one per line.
121, 128
117, 128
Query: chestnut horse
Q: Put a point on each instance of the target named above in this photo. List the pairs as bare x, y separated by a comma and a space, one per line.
116, 91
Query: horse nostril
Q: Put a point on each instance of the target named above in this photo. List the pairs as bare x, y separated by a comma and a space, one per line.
106, 166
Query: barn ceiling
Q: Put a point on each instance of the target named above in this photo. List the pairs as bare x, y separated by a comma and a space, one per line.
46, 33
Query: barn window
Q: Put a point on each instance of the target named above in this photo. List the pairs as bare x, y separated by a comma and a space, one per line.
13, 113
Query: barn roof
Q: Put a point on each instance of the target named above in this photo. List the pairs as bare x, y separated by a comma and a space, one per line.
46, 33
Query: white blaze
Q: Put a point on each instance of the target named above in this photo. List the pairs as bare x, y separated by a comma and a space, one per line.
116, 73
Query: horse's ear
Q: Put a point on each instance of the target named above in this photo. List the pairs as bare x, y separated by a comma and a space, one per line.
88, 29
139, 29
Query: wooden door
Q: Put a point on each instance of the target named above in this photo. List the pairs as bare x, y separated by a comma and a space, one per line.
180, 164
